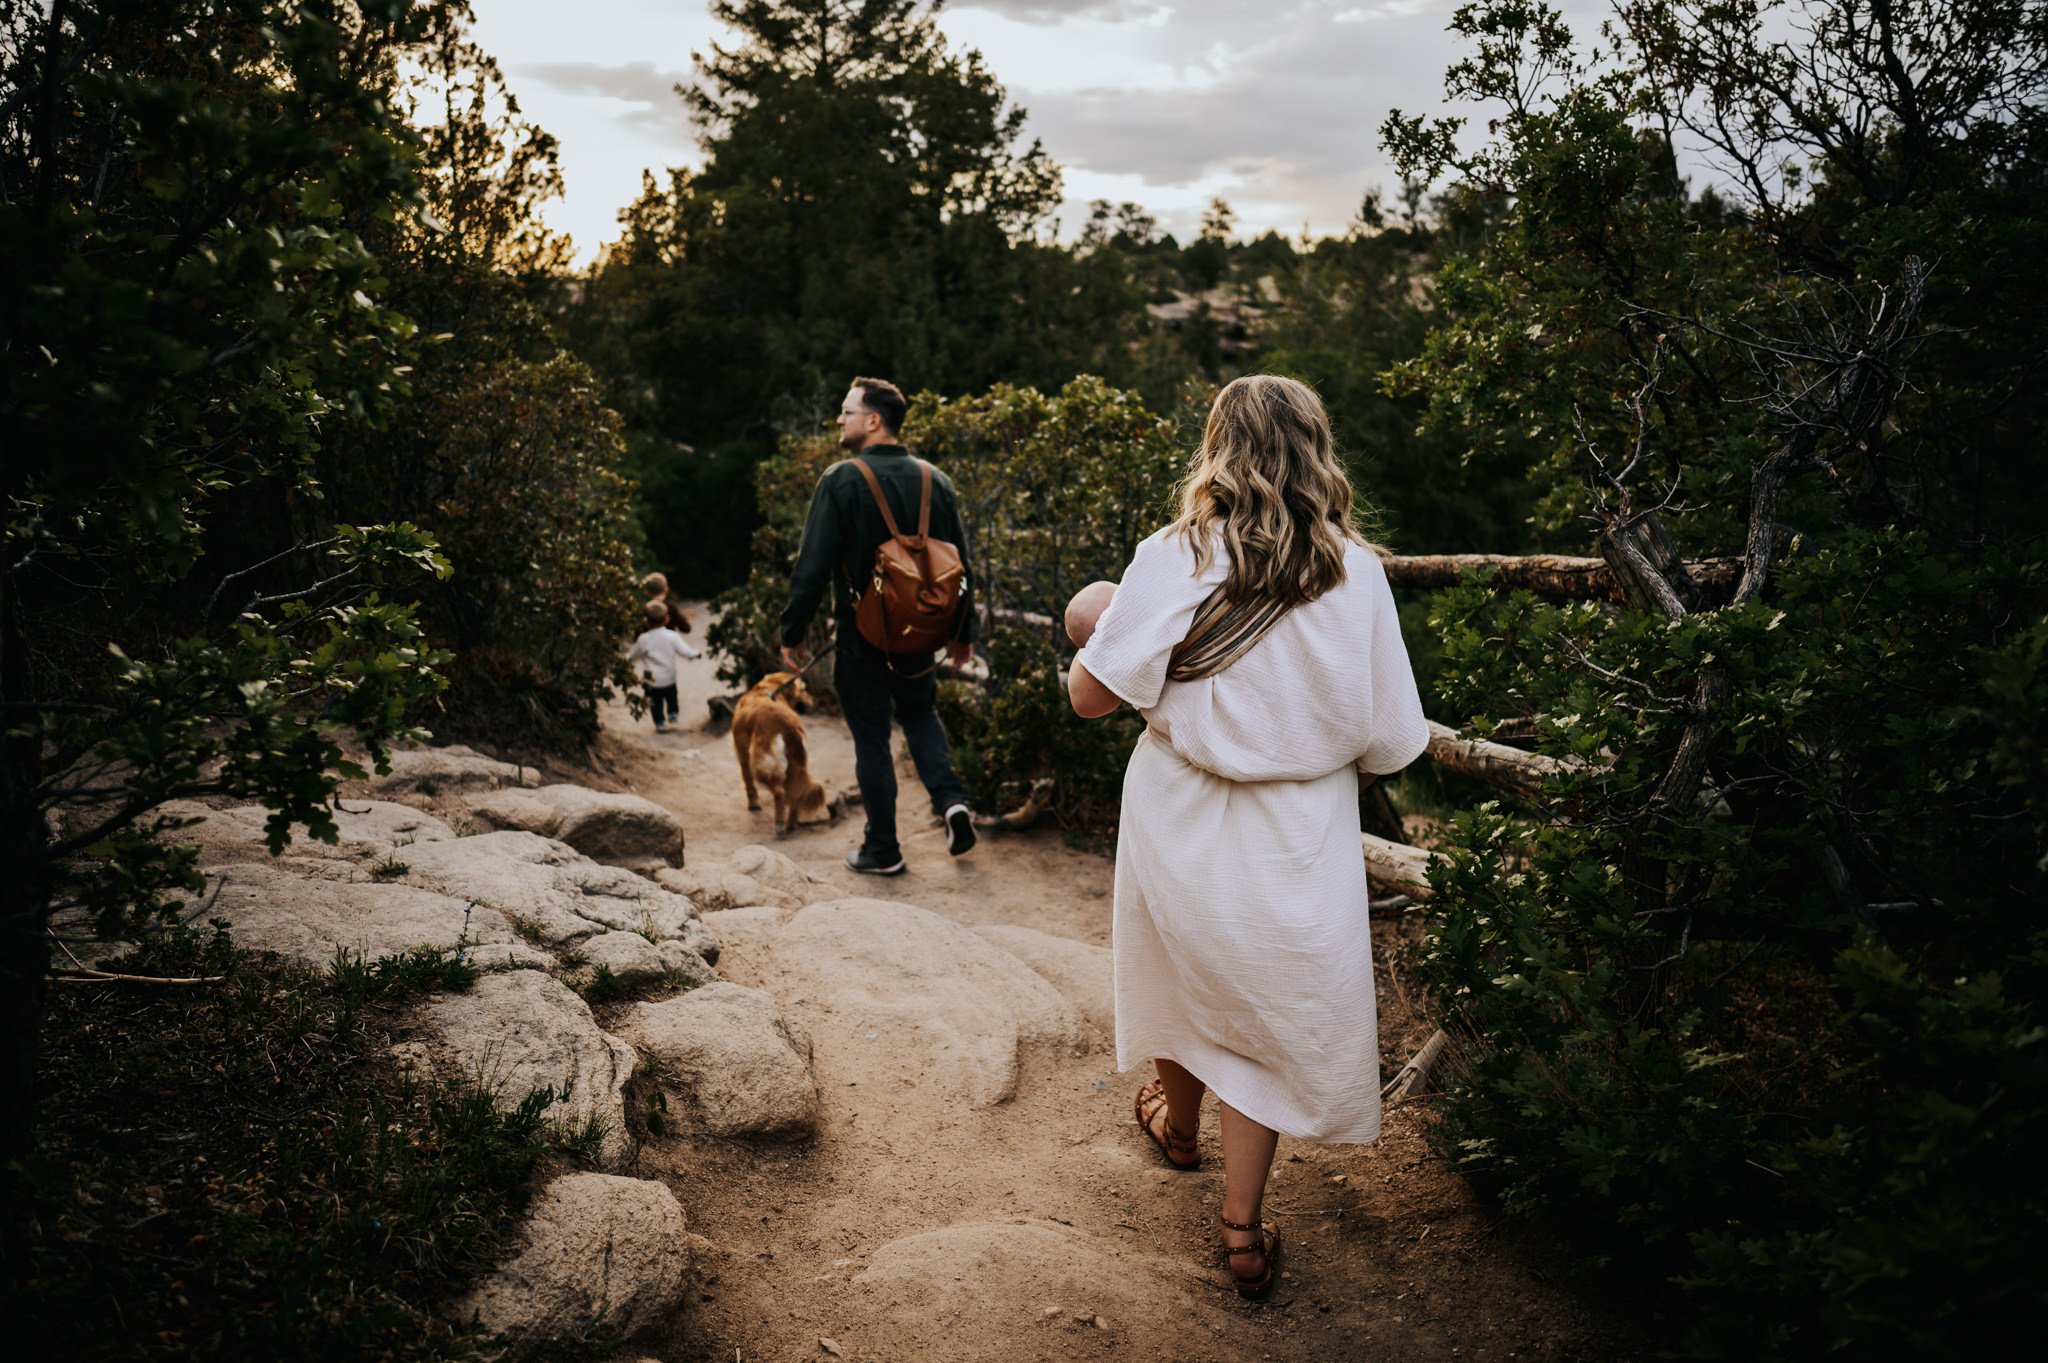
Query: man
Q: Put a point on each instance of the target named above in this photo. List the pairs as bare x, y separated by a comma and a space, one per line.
841, 534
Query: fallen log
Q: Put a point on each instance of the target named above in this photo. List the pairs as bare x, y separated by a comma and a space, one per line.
1413, 1078
1556, 576
1005, 615
1509, 769
1397, 867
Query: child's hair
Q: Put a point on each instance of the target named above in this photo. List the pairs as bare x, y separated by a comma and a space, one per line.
654, 584
656, 614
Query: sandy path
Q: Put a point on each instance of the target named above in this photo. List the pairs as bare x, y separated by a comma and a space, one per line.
919, 1227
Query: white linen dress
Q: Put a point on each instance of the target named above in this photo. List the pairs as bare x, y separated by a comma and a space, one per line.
1240, 931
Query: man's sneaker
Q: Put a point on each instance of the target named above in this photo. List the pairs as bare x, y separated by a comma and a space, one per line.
868, 864
959, 830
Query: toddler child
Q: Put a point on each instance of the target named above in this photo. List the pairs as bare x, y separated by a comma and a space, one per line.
654, 587
1086, 608
656, 651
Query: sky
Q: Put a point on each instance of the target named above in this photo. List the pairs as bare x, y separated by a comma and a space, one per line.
1273, 106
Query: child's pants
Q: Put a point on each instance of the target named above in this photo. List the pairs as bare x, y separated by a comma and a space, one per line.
662, 700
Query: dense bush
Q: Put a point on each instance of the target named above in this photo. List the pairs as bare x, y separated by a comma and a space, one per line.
186, 317
186, 1200
1750, 1007
505, 452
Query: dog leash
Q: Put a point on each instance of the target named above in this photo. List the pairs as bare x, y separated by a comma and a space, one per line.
797, 675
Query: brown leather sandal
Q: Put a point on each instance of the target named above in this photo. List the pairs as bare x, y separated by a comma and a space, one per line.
1268, 1245
1180, 1151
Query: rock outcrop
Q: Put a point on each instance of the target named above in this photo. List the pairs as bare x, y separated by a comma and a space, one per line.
631, 958
599, 1255
1079, 971
453, 770
752, 876
619, 829
522, 1030
958, 1006
555, 894
373, 837
730, 1054
269, 908
957, 1281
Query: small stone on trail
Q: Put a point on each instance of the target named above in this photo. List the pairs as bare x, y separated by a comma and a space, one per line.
1048, 1313
830, 1346
1339, 1179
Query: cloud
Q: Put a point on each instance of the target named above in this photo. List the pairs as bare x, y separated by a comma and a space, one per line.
1279, 114
1059, 11
1384, 9
648, 92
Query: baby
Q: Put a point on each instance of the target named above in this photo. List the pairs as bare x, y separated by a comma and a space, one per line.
1086, 608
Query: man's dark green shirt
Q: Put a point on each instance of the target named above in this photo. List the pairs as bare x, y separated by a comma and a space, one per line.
844, 529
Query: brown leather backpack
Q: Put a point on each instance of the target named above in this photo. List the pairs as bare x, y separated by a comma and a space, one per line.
912, 603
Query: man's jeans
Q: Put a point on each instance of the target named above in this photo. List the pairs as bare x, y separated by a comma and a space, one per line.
867, 691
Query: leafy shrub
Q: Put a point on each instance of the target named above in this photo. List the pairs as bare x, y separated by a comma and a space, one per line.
1748, 1007
240, 1171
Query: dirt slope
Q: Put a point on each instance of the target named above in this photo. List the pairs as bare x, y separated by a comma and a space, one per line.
919, 1225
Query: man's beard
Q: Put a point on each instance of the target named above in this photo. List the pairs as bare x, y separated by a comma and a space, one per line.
849, 442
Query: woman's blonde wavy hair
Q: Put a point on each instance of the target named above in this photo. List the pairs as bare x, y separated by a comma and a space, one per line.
1267, 479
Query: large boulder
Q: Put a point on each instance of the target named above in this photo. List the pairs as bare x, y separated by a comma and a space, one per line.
753, 875
454, 770
553, 893
520, 1031
744, 1070
1079, 971
603, 826
268, 908
599, 1255
961, 1005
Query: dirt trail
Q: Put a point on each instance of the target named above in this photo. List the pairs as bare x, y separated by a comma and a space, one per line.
918, 1226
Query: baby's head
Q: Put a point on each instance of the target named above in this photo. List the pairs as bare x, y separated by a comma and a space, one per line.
655, 613
1086, 608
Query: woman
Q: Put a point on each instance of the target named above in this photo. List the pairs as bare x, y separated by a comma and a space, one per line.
1241, 951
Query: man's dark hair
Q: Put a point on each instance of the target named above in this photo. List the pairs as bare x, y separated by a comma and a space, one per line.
885, 400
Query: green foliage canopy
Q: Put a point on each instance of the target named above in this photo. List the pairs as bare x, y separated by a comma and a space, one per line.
1750, 1002
184, 313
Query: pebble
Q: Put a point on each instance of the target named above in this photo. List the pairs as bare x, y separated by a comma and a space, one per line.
830, 1346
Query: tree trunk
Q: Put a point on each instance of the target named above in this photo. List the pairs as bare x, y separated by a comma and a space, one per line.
1644, 559
1548, 575
1518, 773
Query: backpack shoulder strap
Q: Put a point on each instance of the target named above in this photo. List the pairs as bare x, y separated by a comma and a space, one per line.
875, 486
924, 501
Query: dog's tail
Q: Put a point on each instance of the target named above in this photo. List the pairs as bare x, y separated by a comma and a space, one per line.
804, 793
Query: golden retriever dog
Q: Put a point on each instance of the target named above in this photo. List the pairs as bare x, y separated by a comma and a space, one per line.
768, 738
